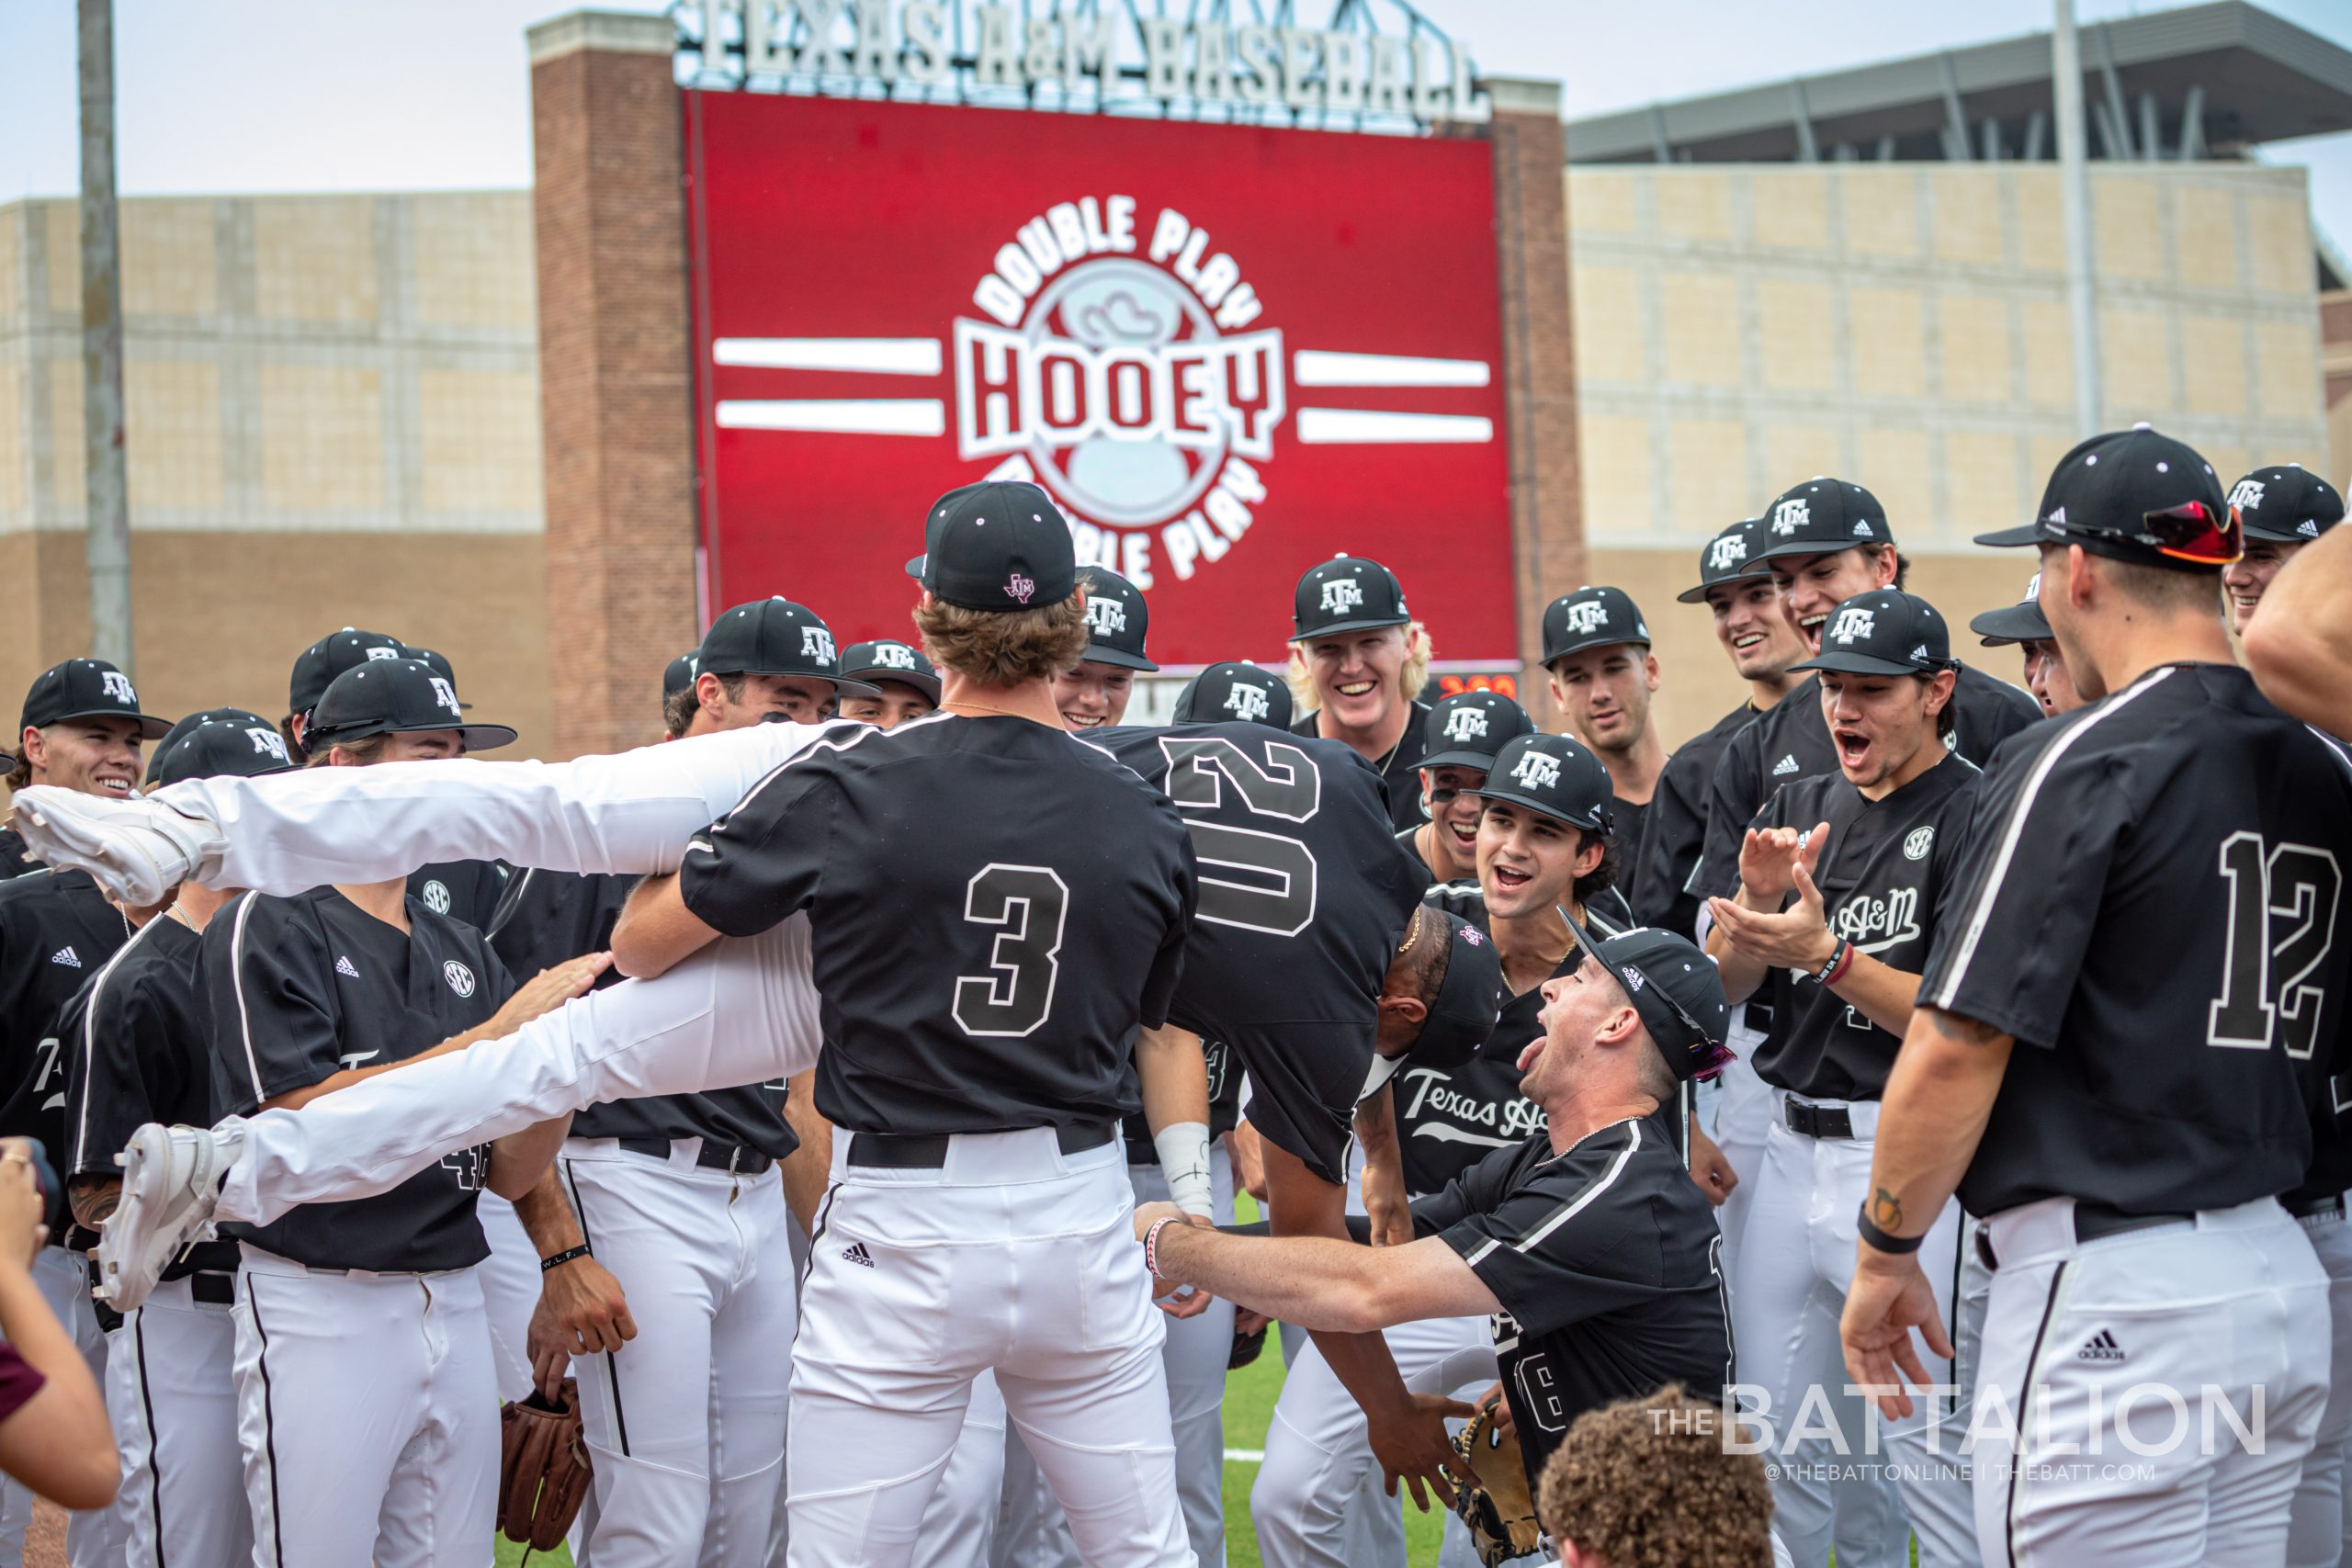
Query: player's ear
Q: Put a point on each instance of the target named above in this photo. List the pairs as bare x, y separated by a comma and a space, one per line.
1649, 662
1590, 851
1940, 690
1412, 1010
2078, 569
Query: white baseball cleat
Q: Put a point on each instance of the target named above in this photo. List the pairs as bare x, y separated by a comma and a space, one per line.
138, 850
171, 1183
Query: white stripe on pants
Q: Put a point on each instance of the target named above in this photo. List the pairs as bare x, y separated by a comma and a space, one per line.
172, 1395
94, 1537
1014, 1256
390, 1456
2320, 1534
2233, 1301
685, 1421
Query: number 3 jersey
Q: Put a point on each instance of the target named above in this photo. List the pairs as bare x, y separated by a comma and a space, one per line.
298, 989
2151, 903
1304, 897
995, 909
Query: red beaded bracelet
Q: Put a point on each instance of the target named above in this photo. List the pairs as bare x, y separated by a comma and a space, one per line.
1151, 1245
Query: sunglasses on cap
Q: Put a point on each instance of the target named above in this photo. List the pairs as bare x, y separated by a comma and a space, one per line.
2191, 531
1709, 1056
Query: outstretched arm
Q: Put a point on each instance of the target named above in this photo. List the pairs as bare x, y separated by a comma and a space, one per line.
2299, 644
1319, 1283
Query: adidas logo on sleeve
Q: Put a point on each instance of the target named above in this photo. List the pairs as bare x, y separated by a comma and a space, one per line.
2102, 1348
67, 956
855, 1253
1785, 766
343, 966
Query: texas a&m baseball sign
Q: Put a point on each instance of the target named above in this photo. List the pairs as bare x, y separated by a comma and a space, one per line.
1225, 351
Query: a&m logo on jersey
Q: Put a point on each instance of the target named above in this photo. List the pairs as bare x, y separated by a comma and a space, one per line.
1466, 723
117, 685
1341, 593
460, 978
1727, 553
1107, 616
816, 643
1589, 616
1246, 703
1537, 770
1791, 516
1852, 624
2247, 495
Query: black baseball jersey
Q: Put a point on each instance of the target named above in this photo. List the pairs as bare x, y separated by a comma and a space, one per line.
2153, 903
56, 931
1630, 824
1304, 897
298, 989
995, 908
1449, 1121
1884, 876
1225, 1104
1607, 1264
1676, 832
1791, 741
13, 859
138, 1050
1400, 772
467, 889
548, 918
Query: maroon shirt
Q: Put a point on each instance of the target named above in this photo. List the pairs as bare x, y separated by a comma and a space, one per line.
19, 1381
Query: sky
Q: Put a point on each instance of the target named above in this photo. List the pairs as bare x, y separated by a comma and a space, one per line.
253, 95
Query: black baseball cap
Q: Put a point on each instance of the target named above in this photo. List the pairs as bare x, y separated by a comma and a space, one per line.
87, 688
2020, 621
883, 660
202, 716
1677, 991
2287, 505
774, 636
1591, 617
440, 665
2134, 495
1115, 620
1821, 516
1552, 774
997, 544
1229, 691
316, 666
245, 746
1883, 632
1467, 728
1469, 996
395, 696
1732, 556
1347, 593
680, 673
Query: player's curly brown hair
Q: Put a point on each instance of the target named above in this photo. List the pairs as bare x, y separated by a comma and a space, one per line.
1646, 1483
1004, 647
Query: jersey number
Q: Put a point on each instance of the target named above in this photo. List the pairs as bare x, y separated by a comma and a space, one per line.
2282, 922
1028, 905
1279, 898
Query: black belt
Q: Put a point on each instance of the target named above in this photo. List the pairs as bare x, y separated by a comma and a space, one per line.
2311, 1208
892, 1151
2093, 1221
715, 1155
215, 1289
1818, 1121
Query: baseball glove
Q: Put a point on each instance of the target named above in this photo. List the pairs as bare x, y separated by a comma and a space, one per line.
543, 1467
1497, 1508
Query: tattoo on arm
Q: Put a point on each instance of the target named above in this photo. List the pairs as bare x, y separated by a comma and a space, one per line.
1886, 1210
1966, 1030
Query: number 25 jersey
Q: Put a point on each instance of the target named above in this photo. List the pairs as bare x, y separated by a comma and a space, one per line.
2152, 905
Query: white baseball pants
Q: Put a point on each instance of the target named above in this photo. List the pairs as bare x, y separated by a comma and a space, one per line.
367, 1415
685, 1422
509, 1291
1014, 1256
2319, 1532
1797, 1262
1032, 1533
2112, 1361
95, 1538
172, 1395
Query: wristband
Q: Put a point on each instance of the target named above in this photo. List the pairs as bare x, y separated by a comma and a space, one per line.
1840, 959
1878, 1240
1151, 1246
1183, 1151
557, 1260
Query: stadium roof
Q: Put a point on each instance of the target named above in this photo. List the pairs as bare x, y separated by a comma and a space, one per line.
2205, 81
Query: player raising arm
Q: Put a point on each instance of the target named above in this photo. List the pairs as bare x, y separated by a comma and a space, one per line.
2299, 641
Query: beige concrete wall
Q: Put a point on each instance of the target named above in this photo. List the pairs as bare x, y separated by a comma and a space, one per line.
332, 412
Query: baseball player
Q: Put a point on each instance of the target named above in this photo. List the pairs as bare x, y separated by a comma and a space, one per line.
1234, 691
1826, 540
2282, 509
1841, 877
1094, 691
905, 683
2023, 626
2104, 1058
394, 1459
315, 669
138, 1050
1603, 676
767, 660
1582, 1241
1461, 736
2300, 652
1359, 656
81, 731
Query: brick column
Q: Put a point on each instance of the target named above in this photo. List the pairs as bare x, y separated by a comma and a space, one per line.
615, 372
1539, 360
